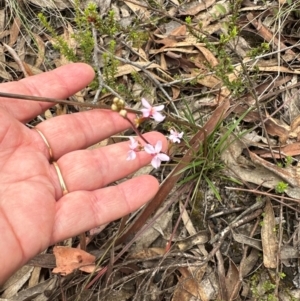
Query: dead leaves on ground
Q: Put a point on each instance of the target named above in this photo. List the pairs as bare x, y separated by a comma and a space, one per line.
171, 59
281, 145
269, 238
70, 259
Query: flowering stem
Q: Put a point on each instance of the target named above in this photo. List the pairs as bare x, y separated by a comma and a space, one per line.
136, 130
62, 101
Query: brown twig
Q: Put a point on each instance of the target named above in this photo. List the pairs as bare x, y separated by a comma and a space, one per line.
61, 101
227, 230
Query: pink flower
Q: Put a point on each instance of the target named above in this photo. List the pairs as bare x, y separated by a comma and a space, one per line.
175, 136
133, 145
150, 111
155, 152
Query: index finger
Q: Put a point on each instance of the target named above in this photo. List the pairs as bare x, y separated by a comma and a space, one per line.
59, 83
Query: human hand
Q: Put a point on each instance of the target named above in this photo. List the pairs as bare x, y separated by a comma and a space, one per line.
34, 213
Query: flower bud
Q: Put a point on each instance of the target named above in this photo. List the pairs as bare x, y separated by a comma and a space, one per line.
121, 103
123, 113
114, 107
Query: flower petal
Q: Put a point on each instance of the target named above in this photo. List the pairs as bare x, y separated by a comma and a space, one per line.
146, 112
158, 147
163, 157
174, 139
158, 117
175, 136
149, 149
159, 108
131, 155
155, 162
133, 143
146, 104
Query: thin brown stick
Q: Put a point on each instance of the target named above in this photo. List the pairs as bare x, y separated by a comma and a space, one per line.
61, 101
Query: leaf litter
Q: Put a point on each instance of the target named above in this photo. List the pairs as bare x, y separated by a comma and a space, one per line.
187, 243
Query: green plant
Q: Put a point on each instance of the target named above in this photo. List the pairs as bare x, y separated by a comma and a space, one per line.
61, 44
281, 187
262, 288
188, 20
110, 67
207, 164
85, 22
83, 34
225, 68
288, 161
259, 50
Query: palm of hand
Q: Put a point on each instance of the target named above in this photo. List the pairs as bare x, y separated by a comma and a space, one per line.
33, 212
28, 202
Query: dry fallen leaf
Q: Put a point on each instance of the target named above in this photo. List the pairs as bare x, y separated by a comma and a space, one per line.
161, 225
269, 36
189, 286
246, 240
143, 12
250, 262
211, 59
280, 152
38, 292
54, 4
269, 238
175, 36
196, 238
14, 31
70, 259
127, 68
13, 285
148, 253
232, 279
194, 7
257, 170
279, 69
